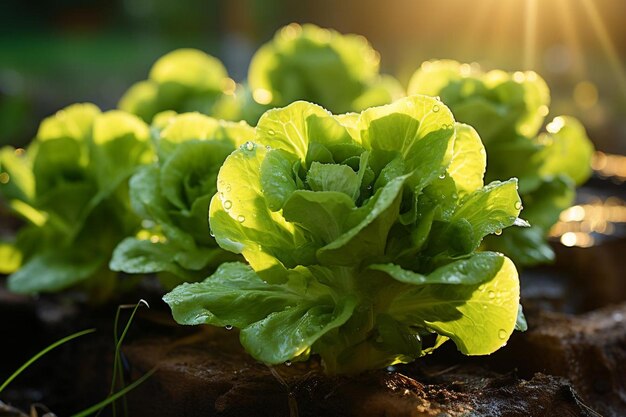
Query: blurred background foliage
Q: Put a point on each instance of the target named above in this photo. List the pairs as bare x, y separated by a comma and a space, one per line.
56, 53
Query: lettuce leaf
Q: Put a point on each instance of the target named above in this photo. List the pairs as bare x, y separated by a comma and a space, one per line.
338, 72
183, 80
73, 175
173, 196
361, 233
508, 110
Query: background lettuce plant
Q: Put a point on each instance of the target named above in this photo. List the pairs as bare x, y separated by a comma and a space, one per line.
339, 72
508, 110
173, 195
361, 233
70, 187
183, 80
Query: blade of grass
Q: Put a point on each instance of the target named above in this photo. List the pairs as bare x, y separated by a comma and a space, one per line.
118, 340
43, 352
100, 406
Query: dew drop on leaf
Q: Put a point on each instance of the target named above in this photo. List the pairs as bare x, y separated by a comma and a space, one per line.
502, 334
228, 204
271, 132
442, 177
241, 218
249, 146
498, 232
435, 108
518, 205
201, 317
228, 327
288, 363
491, 294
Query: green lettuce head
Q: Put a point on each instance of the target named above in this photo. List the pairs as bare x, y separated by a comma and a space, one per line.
183, 80
361, 233
71, 189
339, 72
173, 197
508, 111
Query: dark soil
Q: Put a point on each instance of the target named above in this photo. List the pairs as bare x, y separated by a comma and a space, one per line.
208, 374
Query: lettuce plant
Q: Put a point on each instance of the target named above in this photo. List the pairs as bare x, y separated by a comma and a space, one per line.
361, 233
183, 80
338, 72
70, 187
173, 196
508, 111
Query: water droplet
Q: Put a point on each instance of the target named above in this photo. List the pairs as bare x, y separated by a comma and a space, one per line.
228, 327
228, 188
481, 287
518, 205
249, 146
241, 218
271, 132
491, 294
268, 148
498, 232
502, 334
288, 363
4, 178
438, 98
435, 108
228, 204
442, 176
369, 187
211, 233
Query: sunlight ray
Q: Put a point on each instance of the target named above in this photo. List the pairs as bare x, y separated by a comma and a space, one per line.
568, 26
530, 34
607, 45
